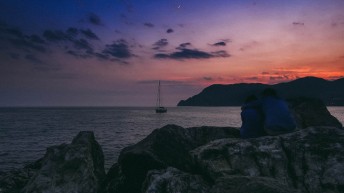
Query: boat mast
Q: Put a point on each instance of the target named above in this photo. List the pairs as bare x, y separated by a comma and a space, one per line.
158, 102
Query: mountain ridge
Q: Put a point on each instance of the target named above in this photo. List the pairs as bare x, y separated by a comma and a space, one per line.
330, 91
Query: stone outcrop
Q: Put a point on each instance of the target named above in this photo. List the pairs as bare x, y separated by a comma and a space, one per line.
67, 168
165, 147
309, 160
312, 112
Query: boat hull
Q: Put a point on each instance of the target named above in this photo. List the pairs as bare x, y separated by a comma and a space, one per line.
161, 110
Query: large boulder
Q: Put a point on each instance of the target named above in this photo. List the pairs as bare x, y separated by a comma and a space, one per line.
310, 160
310, 112
67, 168
164, 147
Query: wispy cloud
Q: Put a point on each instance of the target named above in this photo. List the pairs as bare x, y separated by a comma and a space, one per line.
72, 41
94, 19
220, 53
160, 44
298, 23
20, 40
82, 44
148, 24
222, 43
207, 78
183, 45
25, 43
169, 30
118, 49
69, 35
185, 53
55, 35
249, 45
89, 34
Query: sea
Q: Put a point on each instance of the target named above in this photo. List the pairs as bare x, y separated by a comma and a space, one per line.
25, 133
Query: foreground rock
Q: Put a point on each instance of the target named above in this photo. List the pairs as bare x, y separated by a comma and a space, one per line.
310, 160
13, 181
165, 147
77, 167
174, 181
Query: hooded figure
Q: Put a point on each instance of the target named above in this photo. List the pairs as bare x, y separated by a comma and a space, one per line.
252, 120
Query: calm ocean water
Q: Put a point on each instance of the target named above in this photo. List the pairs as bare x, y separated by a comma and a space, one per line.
25, 133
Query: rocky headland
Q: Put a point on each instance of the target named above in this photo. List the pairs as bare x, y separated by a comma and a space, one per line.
331, 92
174, 159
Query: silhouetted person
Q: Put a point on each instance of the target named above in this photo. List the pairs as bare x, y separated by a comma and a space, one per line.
277, 117
252, 120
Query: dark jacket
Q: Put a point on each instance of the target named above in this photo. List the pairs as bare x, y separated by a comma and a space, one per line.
252, 123
277, 117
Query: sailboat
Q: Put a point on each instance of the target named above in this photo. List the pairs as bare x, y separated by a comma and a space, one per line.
159, 108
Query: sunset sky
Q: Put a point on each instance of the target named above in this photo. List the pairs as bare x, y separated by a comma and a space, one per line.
112, 52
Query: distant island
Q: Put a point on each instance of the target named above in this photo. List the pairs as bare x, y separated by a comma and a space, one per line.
331, 92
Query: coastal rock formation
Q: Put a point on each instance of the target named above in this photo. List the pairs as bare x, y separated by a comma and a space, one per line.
309, 160
164, 147
76, 167
310, 112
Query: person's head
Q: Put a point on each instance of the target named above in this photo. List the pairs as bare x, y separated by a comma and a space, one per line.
269, 92
250, 98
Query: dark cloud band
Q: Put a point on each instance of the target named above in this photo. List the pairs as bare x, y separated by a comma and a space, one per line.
185, 53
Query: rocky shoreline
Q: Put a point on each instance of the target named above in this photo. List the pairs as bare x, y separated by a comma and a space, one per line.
174, 159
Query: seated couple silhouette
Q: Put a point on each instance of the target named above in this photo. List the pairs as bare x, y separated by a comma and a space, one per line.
269, 115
